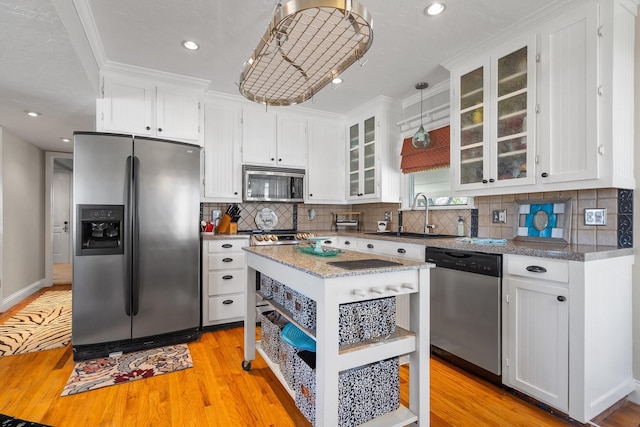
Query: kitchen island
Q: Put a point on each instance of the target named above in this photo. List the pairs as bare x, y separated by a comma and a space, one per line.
329, 286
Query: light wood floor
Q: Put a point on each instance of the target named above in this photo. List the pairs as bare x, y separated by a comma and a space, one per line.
62, 274
217, 392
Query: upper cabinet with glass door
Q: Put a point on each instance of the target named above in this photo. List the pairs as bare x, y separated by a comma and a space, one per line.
362, 158
492, 134
373, 153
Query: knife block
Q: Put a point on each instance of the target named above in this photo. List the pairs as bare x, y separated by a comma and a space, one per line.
225, 223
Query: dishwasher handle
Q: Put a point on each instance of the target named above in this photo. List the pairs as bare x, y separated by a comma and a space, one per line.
458, 254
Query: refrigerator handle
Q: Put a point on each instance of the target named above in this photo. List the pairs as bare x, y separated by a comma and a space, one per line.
128, 223
135, 238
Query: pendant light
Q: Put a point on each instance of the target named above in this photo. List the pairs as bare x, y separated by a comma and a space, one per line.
421, 138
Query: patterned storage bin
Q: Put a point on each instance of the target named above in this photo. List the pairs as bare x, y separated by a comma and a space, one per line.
304, 311
287, 363
289, 299
266, 286
367, 319
278, 290
270, 335
364, 393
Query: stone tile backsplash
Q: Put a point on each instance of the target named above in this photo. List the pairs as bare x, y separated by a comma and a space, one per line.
477, 222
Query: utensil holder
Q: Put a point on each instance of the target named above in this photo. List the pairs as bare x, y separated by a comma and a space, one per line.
225, 222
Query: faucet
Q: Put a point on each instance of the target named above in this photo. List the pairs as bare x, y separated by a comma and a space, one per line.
427, 226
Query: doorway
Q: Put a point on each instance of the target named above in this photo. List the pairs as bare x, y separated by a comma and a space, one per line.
59, 218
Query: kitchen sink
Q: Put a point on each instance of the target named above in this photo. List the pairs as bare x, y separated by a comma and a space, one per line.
416, 235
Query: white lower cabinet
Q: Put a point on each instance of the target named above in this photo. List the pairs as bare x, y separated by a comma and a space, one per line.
538, 319
224, 281
566, 331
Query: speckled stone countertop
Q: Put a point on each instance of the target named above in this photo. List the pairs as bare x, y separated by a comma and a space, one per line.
290, 256
208, 236
515, 247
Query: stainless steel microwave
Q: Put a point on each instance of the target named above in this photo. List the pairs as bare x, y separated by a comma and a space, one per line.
272, 184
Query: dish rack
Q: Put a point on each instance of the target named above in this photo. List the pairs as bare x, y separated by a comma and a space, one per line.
347, 219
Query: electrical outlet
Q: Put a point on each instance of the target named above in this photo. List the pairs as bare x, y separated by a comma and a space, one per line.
595, 216
499, 216
387, 216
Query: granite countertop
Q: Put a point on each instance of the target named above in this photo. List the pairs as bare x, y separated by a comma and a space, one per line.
211, 236
290, 256
515, 247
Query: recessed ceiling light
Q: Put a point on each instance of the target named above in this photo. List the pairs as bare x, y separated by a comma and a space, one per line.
434, 9
336, 81
32, 113
63, 139
190, 44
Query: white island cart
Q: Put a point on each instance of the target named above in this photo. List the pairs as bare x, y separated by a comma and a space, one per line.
331, 286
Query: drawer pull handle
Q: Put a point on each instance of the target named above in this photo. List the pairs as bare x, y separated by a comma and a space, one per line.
402, 251
227, 259
394, 288
358, 292
347, 242
409, 286
562, 298
377, 290
369, 245
227, 277
227, 245
536, 269
227, 301
327, 242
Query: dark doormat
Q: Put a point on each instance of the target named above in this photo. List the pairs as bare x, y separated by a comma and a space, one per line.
7, 421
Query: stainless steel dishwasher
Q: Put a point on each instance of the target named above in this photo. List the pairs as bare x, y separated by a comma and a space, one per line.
466, 310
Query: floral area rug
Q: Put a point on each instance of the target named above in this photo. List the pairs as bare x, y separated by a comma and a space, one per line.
106, 371
44, 324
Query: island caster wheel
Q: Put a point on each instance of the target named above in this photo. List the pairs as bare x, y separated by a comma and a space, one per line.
246, 365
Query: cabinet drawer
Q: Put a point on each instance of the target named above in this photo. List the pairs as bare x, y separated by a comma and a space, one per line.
226, 307
226, 281
227, 245
537, 268
227, 261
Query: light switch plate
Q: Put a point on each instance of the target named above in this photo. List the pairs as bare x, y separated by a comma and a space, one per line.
595, 216
499, 216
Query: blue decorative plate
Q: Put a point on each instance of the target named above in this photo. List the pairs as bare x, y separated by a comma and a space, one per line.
293, 336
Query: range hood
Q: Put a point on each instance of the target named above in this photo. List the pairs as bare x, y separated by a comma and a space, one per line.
307, 44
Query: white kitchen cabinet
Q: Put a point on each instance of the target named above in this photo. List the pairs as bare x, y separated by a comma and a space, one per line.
492, 119
221, 158
579, 121
148, 107
585, 92
564, 324
373, 153
325, 165
224, 281
274, 139
538, 326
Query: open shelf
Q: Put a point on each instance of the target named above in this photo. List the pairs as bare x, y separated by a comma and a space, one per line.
275, 368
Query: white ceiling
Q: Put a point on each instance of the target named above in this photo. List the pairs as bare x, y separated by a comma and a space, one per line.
51, 50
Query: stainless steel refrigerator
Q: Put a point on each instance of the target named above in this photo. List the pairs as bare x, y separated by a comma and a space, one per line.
136, 244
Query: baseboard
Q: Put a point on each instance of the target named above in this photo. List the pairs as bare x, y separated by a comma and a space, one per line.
22, 294
635, 395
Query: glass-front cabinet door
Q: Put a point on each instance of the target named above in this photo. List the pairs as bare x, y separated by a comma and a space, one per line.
472, 128
354, 160
362, 158
512, 85
495, 102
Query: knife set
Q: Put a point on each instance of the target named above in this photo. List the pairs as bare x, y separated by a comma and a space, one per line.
229, 222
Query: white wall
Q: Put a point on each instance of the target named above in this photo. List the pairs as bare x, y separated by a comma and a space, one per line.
22, 170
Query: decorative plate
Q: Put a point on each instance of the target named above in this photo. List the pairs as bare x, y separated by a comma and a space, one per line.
266, 219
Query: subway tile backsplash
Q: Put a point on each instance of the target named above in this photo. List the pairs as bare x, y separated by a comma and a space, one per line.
477, 222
